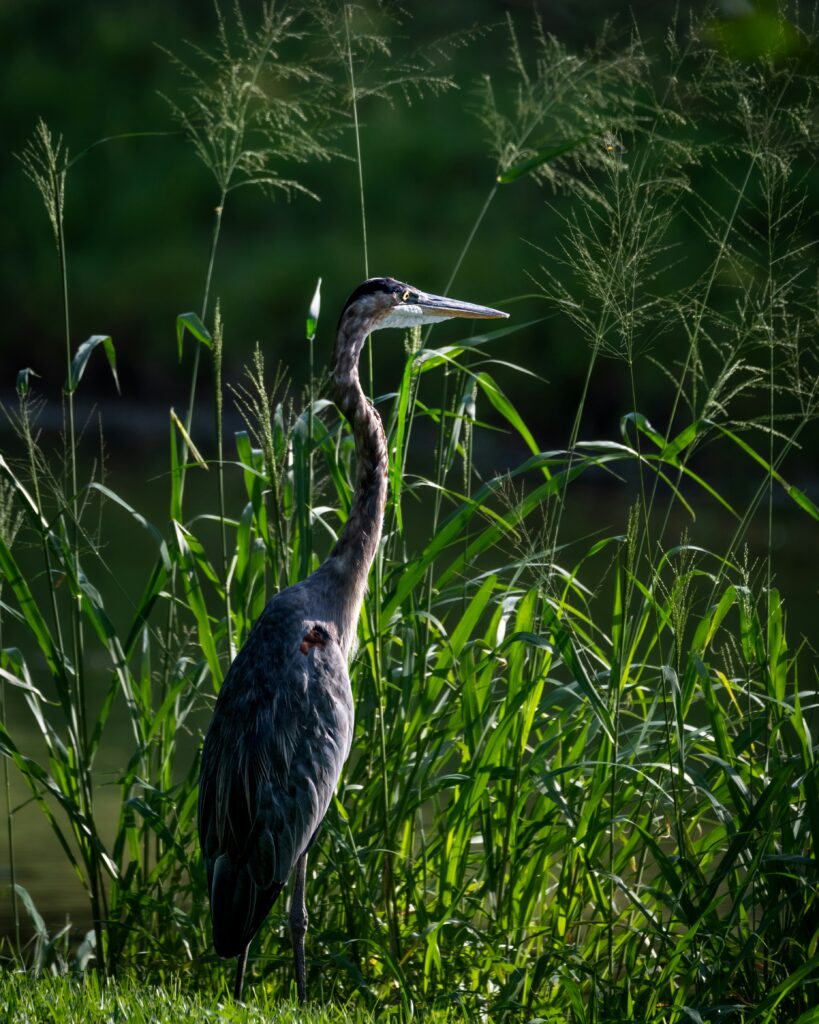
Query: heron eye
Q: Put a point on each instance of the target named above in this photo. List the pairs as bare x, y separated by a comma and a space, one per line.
406, 295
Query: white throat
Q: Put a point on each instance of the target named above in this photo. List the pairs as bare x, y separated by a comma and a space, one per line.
407, 315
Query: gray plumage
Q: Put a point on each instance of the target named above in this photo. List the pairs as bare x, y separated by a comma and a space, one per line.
283, 723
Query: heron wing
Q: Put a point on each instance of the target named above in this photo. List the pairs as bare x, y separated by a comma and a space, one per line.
272, 757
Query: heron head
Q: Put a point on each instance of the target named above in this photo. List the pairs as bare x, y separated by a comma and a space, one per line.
385, 302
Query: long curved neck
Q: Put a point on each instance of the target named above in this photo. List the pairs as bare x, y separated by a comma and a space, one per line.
355, 549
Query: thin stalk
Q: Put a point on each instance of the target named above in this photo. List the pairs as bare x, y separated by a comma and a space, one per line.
378, 662
217, 228
15, 906
471, 236
220, 471
224, 178
72, 492
69, 704
468, 427
306, 542
378, 565
73, 724
689, 361
440, 472
282, 569
768, 187
84, 767
674, 782
348, 11
387, 880
161, 746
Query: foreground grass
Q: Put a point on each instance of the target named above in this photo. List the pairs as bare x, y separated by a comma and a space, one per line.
54, 1000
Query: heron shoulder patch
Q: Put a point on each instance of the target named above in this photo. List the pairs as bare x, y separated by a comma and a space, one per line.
315, 637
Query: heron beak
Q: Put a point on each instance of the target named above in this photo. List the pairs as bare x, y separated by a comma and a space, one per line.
440, 306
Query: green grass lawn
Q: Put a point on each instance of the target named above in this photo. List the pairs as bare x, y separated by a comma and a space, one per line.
71, 1000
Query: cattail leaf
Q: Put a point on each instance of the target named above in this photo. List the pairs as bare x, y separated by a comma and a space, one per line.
191, 322
452, 526
147, 812
83, 354
543, 156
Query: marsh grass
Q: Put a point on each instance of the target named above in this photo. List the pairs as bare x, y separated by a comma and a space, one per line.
584, 785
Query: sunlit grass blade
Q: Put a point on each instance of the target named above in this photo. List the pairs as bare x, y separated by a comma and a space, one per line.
192, 323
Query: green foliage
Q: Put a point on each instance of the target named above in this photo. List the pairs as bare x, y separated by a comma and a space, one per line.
67, 1000
583, 786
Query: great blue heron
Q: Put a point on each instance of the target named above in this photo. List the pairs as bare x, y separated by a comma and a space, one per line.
283, 723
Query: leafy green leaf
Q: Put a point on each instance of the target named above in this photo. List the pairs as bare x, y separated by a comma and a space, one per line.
191, 322
83, 354
543, 156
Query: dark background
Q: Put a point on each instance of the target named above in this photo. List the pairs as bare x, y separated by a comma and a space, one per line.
139, 211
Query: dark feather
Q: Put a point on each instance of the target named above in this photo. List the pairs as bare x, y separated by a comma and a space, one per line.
272, 757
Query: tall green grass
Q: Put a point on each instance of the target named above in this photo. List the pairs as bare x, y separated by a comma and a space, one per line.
583, 786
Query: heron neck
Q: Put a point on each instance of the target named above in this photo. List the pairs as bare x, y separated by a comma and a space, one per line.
355, 549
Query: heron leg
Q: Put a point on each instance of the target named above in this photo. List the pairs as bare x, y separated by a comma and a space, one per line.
298, 925
241, 964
